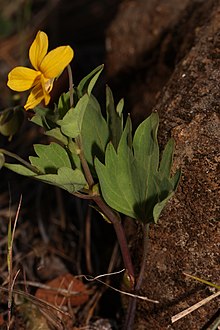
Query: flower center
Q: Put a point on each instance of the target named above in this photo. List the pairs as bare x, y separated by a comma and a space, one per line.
48, 83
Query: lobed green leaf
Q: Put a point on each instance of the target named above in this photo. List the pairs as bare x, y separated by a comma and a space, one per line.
131, 180
117, 176
50, 158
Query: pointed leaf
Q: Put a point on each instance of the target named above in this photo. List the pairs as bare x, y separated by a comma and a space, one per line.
117, 176
114, 118
115, 195
2, 160
167, 159
146, 152
63, 104
86, 84
146, 149
159, 207
95, 133
176, 179
120, 107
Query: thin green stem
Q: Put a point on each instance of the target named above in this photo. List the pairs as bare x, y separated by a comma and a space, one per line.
70, 84
129, 321
144, 257
20, 160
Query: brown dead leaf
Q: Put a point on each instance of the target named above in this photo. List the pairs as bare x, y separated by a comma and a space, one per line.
64, 290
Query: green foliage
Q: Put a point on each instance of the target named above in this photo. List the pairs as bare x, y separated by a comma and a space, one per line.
114, 117
66, 178
20, 169
11, 120
95, 133
50, 158
44, 117
131, 180
71, 124
2, 160
53, 166
118, 176
87, 84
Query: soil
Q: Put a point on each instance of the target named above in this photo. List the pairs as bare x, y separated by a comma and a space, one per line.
160, 56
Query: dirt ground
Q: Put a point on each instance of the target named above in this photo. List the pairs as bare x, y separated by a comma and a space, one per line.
160, 56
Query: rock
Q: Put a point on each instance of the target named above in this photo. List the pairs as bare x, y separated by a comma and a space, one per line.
176, 72
137, 29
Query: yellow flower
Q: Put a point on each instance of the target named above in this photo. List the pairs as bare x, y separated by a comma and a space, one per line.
48, 66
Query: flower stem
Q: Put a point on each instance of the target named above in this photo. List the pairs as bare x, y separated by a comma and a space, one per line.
111, 215
129, 321
84, 163
70, 84
115, 220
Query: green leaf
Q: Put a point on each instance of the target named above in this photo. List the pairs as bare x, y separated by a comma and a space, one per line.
44, 117
86, 84
57, 134
73, 152
146, 152
95, 133
11, 120
66, 178
20, 169
176, 179
2, 160
117, 176
63, 104
159, 207
71, 124
130, 181
146, 149
50, 158
167, 159
114, 118
120, 107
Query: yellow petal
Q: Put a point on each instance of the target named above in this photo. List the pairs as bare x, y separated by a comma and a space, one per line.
46, 98
35, 97
38, 49
21, 79
55, 61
